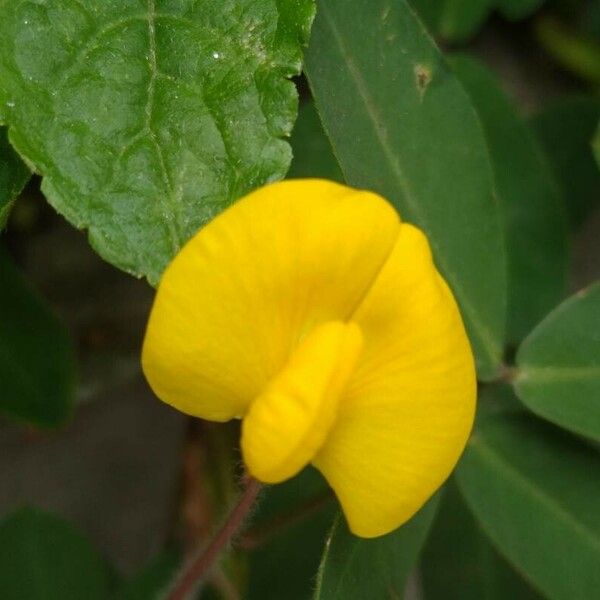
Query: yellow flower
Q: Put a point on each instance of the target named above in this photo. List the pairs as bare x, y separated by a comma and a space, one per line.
311, 312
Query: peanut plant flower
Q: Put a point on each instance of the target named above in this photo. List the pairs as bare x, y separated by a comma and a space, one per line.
312, 313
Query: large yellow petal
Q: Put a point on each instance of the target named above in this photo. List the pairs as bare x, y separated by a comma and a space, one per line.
408, 409
234, 303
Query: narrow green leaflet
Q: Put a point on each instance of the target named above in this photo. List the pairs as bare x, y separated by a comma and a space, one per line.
148, 118
36, 355
535, 219
534, 490
559, 365
401, 124
43, 557
565, 128
354, 568
459, 563
313, 155
289, 531
13, 177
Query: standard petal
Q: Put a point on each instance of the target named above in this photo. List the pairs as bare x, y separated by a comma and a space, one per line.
406, 414
237, 299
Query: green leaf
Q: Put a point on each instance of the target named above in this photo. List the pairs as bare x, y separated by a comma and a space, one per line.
558, 374
457, 21
518, 9
565, 128
354, 568
534, 490
454, 20
459, 563
151, 581
285, 562
36, 355
13, 177
535, 220
313, 155
148, 118
578, 53
43, 557
401, 124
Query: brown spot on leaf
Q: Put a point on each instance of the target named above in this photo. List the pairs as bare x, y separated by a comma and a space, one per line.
423, 78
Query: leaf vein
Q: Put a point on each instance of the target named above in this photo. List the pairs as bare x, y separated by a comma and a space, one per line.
484, 333
488, 453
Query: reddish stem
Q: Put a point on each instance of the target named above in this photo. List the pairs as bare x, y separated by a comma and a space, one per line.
195, 570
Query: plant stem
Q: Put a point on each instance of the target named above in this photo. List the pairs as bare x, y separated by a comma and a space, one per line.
193, 572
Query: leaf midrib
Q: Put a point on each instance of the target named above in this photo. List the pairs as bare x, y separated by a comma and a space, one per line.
555, 374
493, 458
483, 331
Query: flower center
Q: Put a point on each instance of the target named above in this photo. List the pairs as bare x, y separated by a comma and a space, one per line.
288, 423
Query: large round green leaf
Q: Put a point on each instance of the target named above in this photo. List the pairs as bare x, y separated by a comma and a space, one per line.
401, 124
13, 177
534, 490
147, 118
534, 215
43, 557
558, 373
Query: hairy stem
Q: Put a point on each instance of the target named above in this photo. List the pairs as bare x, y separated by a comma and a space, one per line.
196, 569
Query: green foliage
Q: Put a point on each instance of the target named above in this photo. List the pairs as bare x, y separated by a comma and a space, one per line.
459, 20
454, 20
472, 569
401, 124
36, 355
534, 490
13, 177
565, 128
536, 231
43, 557
313, 156
559, 365
146, 119
284, 562
354, 568
577, 53
518, 9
